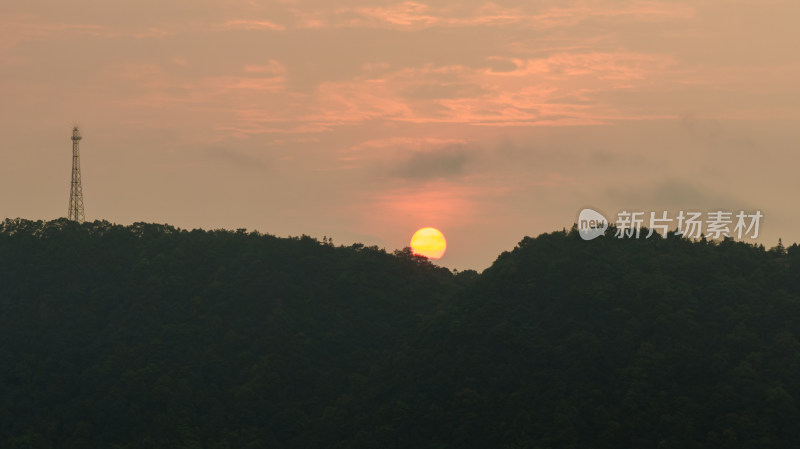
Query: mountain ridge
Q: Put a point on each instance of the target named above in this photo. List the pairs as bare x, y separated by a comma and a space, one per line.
152, 336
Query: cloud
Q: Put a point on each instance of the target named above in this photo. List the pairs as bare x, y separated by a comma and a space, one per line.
617, 66
441, 202
21, 29
237, 159
444, 90
406, 14
248, 24
676, 194
273, 67
433, 164
383, 145
414, 16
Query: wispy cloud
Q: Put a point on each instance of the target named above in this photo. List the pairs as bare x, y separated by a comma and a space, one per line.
433, 164
410, 15
248, 24
19, 29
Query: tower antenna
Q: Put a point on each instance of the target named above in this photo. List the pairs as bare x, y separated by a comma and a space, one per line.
76, 191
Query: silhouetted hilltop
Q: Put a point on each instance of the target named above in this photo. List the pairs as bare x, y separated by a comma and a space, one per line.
606, 344
151, 336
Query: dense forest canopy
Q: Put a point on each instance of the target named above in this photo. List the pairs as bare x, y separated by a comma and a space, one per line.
148, 336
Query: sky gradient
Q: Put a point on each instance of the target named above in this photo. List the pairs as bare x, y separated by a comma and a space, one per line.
367, 120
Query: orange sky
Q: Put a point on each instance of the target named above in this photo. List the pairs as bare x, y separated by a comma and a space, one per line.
366, 120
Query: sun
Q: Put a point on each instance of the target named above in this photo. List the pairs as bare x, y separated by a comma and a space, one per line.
429, 242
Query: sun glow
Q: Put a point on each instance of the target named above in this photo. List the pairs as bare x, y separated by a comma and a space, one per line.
429, 242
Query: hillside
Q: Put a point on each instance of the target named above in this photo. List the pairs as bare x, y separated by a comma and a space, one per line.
611, 343
151, 336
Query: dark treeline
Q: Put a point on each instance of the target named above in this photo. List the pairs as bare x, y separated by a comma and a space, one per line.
148, 336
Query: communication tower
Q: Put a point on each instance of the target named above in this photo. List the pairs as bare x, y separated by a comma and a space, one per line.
75, 191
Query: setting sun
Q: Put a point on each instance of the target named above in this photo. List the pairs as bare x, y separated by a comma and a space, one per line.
429, 242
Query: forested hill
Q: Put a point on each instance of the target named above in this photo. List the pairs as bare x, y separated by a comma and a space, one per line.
148, 336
